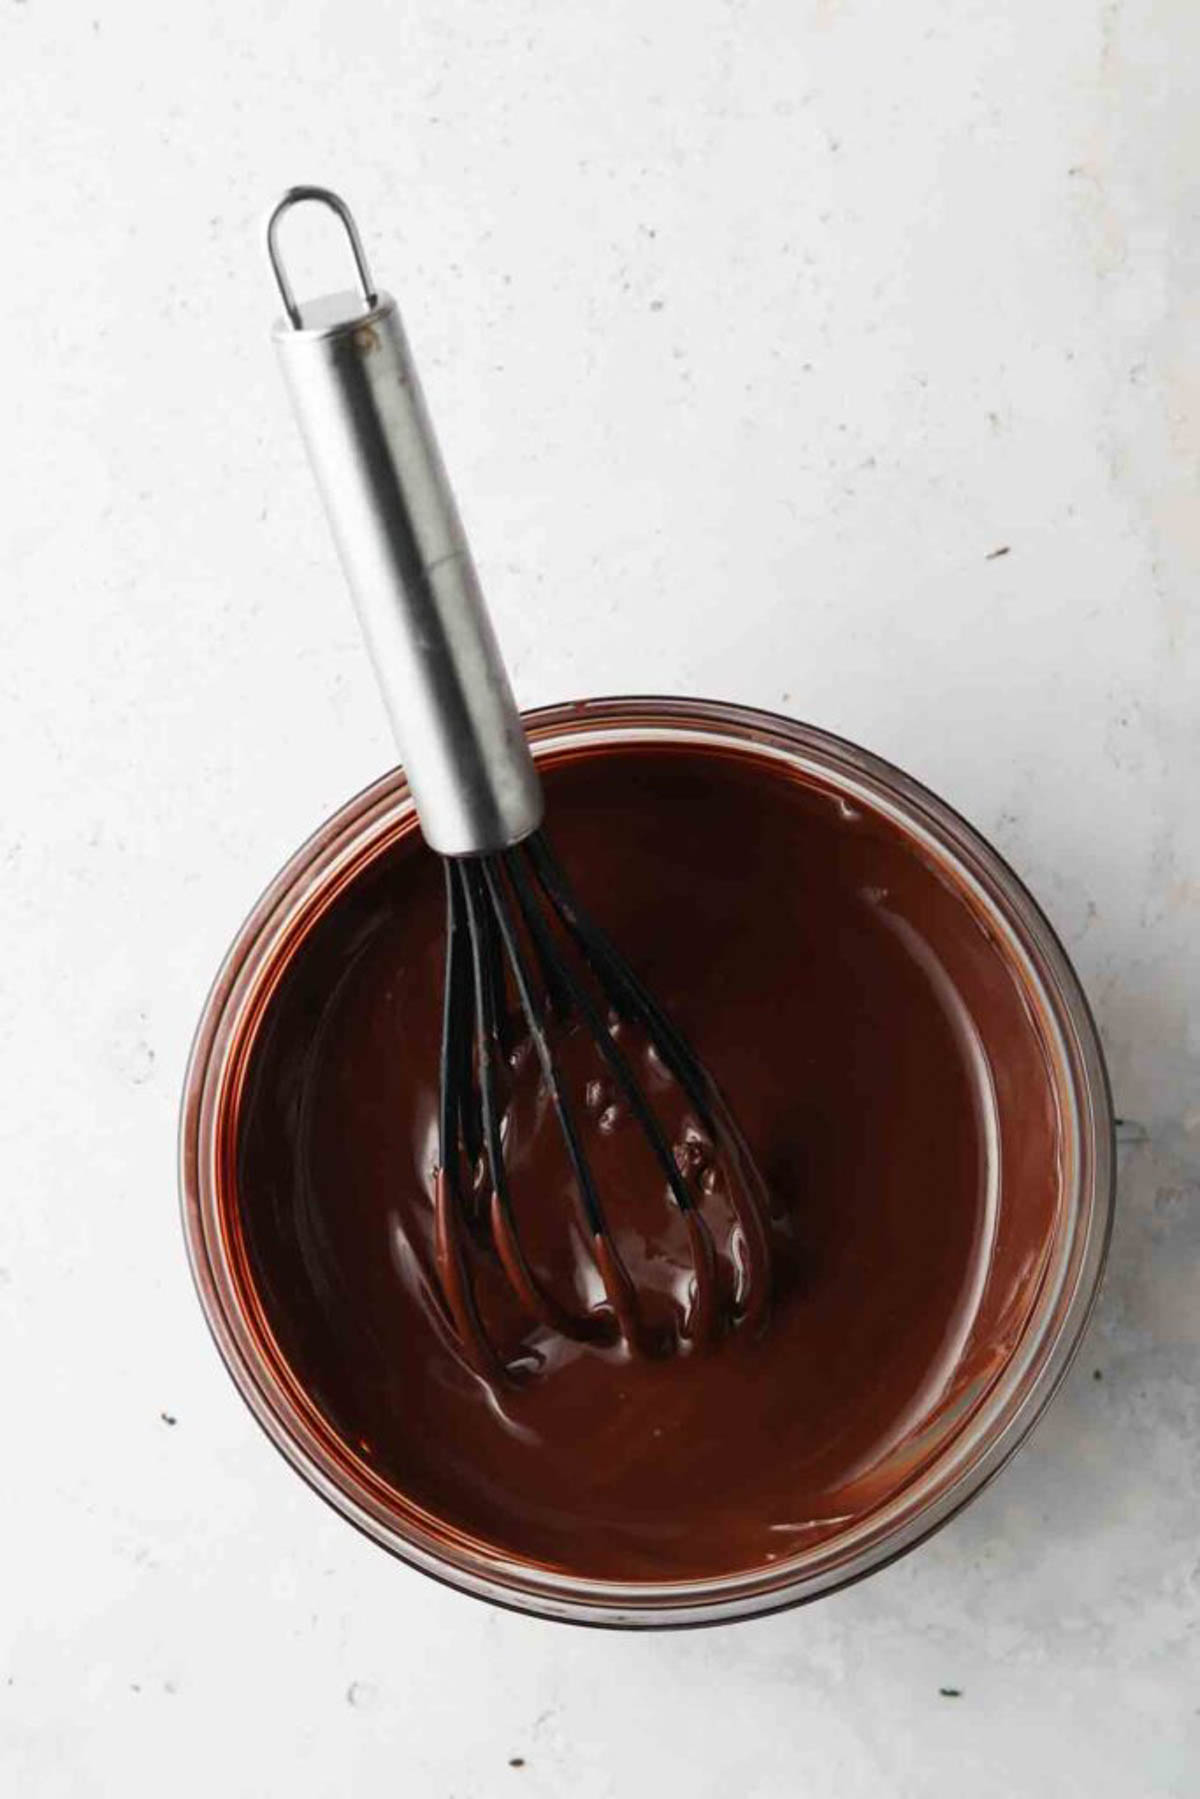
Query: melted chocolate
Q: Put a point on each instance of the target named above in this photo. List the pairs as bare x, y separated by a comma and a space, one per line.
881, 1060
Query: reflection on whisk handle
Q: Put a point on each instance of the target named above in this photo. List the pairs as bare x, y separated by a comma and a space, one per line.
369, 438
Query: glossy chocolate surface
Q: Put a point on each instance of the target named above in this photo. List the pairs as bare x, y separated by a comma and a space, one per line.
889, 1077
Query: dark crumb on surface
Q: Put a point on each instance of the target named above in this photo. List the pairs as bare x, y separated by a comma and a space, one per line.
1004, 550
1097, 1374
516, 1761
134, 1687
950, 1692
168, 1418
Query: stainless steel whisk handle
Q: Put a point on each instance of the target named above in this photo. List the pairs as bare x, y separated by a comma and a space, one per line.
363, 418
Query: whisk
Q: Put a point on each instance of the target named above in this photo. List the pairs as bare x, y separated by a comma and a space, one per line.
518, 943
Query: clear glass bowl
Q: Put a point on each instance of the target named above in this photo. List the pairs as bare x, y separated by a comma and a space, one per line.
1029, 1362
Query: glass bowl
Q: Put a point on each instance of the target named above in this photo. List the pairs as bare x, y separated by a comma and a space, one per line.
991, 1418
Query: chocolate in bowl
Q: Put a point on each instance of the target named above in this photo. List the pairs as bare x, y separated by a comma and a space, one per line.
910, 1058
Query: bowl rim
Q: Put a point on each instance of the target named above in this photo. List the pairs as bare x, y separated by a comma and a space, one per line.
1000, 1421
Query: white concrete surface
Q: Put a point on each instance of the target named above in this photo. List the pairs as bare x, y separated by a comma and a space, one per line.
754, 329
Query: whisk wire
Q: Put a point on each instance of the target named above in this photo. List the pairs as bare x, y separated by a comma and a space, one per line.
611, 1051
612, 970
450, 1248
455, 1013
535, 1020
618, 1287
701, 1317
631, 999
489, 1054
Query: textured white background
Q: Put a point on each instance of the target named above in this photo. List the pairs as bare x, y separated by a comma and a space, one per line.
752, 330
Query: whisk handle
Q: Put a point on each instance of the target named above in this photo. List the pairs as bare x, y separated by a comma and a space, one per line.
364, 421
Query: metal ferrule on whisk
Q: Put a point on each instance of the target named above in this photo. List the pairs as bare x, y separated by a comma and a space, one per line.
363, 417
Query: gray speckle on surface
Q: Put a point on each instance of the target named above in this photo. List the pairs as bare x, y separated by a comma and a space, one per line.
362, 1695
